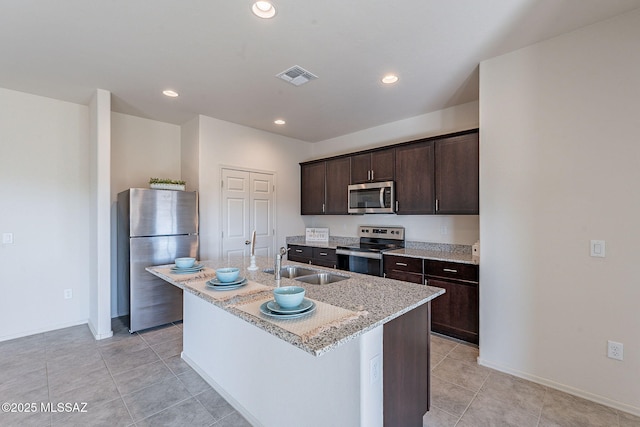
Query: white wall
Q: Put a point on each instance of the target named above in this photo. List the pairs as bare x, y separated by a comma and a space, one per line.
226, 144
559, 164
45, 202
140, 149
190, 153
459, 229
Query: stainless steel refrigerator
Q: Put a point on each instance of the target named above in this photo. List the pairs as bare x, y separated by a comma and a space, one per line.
154, 227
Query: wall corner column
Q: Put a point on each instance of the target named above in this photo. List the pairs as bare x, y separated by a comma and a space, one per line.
100, 187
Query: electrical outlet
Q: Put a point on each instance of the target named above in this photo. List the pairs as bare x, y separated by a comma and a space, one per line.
615, 350
68, 294
598, 248
374, 369
7, 238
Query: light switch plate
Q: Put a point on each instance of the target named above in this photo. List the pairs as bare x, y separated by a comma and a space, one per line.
598, 248
7, 238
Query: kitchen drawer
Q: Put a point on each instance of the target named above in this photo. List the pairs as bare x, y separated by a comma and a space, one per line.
300, 253
324, 254
451, 270
405, 276
402, 263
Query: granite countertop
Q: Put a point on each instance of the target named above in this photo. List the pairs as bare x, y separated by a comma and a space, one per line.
382, 299
426, 250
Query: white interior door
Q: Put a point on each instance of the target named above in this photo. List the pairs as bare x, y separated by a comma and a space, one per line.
248, 204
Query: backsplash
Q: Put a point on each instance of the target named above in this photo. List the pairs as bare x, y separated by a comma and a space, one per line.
333, 240
440, 247
345, 241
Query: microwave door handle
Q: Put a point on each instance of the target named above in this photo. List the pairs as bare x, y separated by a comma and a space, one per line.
382, 197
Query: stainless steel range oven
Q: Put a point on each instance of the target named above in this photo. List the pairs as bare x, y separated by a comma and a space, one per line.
366, 257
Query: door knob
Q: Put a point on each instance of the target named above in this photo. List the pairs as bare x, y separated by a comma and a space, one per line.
247, 242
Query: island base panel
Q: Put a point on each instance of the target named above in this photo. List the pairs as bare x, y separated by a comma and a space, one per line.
406, 368
260, 374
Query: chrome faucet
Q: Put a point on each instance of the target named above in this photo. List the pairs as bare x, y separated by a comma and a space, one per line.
283, 251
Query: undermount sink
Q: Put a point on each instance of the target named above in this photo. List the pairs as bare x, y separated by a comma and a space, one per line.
292, 271
322, 278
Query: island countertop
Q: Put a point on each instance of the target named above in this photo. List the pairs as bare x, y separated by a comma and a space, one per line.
377, 299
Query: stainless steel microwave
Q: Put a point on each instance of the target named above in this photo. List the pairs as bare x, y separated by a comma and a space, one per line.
372, 197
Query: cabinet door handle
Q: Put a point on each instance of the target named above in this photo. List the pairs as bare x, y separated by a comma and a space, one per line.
437, 207
323, 254
372, 178
449, 270
396, 206
368, 175
299, 251
402, 264
323, 208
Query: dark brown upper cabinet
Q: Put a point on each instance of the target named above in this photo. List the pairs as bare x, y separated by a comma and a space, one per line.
457, 175
435, 175
415, 187
312, 190
373, 166
337, 180
323, 187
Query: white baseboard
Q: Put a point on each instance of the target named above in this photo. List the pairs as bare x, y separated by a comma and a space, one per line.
236, 405
96, 335
563, 387
43, 329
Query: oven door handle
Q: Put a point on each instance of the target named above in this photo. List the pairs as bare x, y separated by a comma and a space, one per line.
370, 255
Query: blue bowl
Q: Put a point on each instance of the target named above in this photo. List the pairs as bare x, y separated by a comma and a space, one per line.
185, 262
289, 296
228, 274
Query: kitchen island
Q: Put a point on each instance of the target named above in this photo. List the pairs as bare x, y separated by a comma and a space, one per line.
363, 361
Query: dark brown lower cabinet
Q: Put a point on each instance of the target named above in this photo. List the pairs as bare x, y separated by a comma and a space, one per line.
403, 268
324, 257
406, 368
300, 253
456, 313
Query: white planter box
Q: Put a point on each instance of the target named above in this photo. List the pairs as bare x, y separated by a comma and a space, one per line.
159, 186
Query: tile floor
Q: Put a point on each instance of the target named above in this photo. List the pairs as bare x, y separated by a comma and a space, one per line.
140, 380
465, 394
128, 380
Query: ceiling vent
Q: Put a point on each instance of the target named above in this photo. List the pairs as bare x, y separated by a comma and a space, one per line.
296, 75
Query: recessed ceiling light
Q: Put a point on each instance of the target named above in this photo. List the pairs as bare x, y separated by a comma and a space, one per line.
279, 122
263, 9
389, 79
170, 93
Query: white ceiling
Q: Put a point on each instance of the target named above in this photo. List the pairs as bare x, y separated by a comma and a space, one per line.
223, 60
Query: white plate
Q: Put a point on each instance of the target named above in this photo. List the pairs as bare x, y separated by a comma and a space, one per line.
304, 306
264, 310
217, 282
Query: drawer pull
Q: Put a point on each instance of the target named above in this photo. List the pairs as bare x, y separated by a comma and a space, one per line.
299, 250
323, 254
449, 270
401, 264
